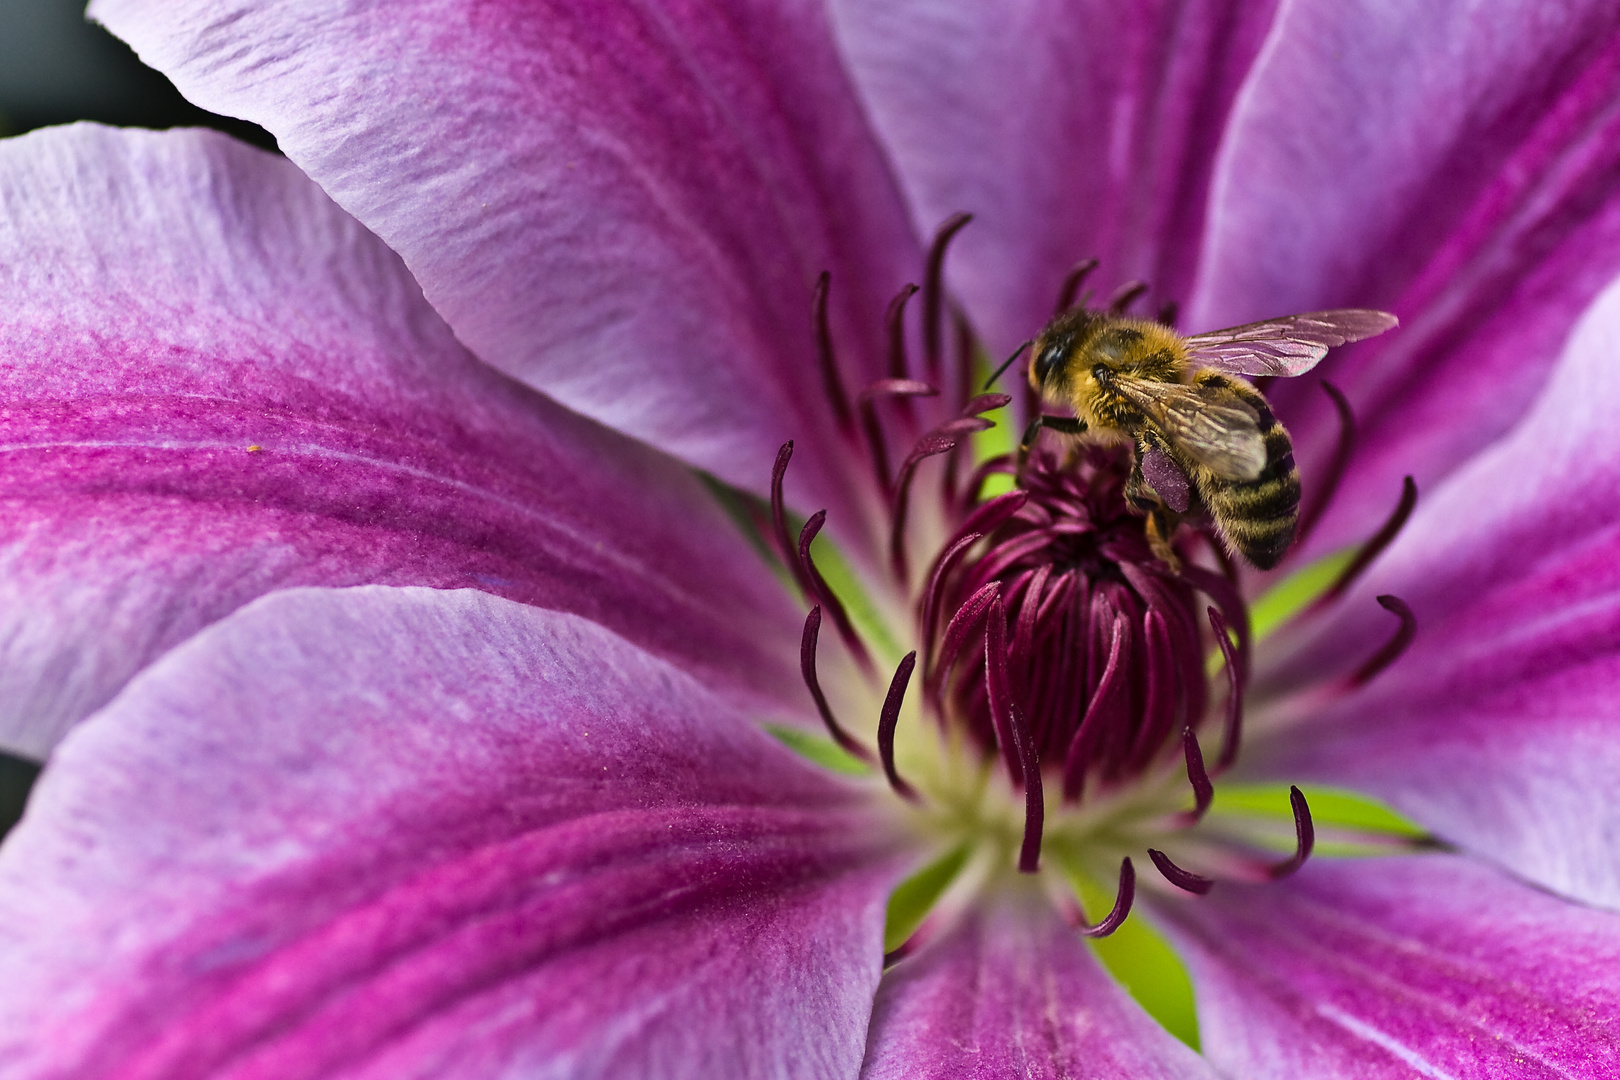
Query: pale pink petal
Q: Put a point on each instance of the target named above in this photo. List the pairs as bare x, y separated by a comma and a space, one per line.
1012, 991
395, 833
1070, 129
173, 301
1455, 165
625, 206
1500, 728
1431, 966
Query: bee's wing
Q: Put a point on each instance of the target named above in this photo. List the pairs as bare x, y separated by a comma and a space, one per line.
1222, 435
1286, 346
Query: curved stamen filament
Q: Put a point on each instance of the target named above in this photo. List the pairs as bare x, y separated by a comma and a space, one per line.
1123, 899
1393, 648
807, 668
779, 525
887, 723
895, 322
1175, 875
1072, 281
1197, 776
819, 591
1126, 295
1374, 546
1234, 692
1336, 464
1304, 836
934, 292
1029, 854
876, 445
832, 382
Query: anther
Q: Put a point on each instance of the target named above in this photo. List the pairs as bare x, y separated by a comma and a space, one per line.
1329, 483
895, 321
1168, 311
1394, 647
827, 359
1107, 710
1375, 546
820, 592
1234, 692
1126, 295
1175, 875
807, 668
784, 539
1203, 789
1122, 904
1304, 836
934, 291
1071, 284
886, 725
962, 624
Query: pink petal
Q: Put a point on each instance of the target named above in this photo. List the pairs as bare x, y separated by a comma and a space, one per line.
1497, 729
173, 299
1458, 169
1011, 990
401, 832
625, 208
1429, 966
1071, 129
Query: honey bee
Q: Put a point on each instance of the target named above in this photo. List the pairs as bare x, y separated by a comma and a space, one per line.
1204, 435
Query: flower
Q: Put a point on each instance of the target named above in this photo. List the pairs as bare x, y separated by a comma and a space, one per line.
424, 740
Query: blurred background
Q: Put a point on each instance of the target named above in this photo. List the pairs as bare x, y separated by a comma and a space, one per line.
55, 68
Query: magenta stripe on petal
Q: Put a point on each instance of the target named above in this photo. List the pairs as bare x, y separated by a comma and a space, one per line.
404, 832
1497, 728
217, 384
624, 205
1012, 991
1429, 965
1068, 129
1458, 167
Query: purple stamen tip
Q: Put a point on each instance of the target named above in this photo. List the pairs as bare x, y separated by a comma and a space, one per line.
1234, 691
1122, 903
1304, 836
1203, 789
807, 668
1175, 875
1394, 647
887, 723
1379, 541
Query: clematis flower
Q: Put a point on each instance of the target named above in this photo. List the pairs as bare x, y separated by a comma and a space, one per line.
411, 546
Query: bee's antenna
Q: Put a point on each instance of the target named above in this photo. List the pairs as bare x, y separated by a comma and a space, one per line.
1009, 362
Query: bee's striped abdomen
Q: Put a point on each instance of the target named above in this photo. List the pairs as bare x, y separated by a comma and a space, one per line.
1258, 516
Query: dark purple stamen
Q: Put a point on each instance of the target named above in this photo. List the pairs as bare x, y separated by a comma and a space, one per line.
1029, 855
1168, 311
1329, 484
1126, 295
832, 383
1109, 707
807, 668
779, 525
1203, 789
997, 691
895, 322
1071, 285
962, 625
1234, 692
1175, 875
941, 440
1234, 612
934, 292
820, 592
1393, 648
1304, 836
1376, 545
1122, 903
886, 726
876, 445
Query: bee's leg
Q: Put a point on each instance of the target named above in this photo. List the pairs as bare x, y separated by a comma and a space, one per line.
1063, 425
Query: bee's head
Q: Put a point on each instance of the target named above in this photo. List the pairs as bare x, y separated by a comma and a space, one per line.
1049, 362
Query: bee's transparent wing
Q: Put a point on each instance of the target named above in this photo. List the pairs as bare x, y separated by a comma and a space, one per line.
1222, 435
1287, 346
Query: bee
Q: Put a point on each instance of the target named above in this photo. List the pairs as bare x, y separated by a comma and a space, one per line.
1203, 434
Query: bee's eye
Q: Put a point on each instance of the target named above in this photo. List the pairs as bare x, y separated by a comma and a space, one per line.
1047, 362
